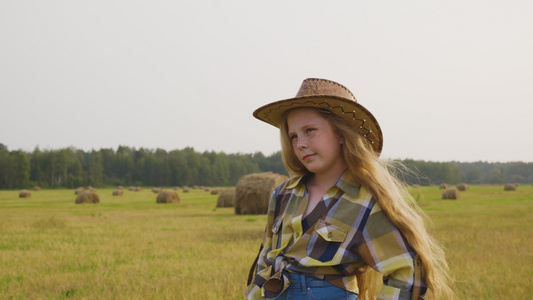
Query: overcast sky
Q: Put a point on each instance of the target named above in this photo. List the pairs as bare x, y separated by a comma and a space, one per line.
446, 80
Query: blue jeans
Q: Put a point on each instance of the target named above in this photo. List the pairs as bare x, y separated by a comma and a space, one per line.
304, 288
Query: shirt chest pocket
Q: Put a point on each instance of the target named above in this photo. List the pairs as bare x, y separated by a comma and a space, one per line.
325, 241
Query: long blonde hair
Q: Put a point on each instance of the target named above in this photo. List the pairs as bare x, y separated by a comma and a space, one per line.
380, 178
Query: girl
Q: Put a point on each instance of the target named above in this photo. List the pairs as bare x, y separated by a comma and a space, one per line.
342, 215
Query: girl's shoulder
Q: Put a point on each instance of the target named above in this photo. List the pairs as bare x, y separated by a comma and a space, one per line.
285, 185
294, 184
280, 187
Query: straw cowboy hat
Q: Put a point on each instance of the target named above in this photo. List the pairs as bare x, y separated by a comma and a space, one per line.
329, 95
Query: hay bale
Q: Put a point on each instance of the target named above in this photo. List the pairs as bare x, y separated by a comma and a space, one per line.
88, 197
156, 190
206, 189
138, 189
36, 188
79, 190
509, 187
120, 187
443, 186
24, 194
462, 187
168, 197
215, 191
252, 192
186, 189
132, 188
226, 198
117, 192
450, 194
176, 188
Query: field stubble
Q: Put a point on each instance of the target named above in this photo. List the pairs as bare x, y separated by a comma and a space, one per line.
129, 247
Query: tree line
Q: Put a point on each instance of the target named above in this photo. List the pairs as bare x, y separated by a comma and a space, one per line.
70, 168
432, 173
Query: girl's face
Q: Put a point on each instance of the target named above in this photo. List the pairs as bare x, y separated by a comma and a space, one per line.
314, 142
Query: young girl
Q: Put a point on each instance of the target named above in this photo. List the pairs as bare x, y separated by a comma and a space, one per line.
342, 215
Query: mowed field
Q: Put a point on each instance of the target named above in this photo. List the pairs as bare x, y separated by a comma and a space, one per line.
130, 247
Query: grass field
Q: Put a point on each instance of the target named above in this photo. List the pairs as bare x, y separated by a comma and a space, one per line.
129, 247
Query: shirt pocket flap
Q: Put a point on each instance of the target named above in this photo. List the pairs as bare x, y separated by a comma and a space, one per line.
330, 232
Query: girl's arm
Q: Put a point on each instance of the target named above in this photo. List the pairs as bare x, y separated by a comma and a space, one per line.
386, 250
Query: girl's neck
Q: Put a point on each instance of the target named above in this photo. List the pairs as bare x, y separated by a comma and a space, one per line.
327, 180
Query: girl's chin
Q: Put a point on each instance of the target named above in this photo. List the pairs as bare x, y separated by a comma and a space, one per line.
311, 168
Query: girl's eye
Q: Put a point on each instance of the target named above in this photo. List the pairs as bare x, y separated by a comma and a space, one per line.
292, 137
309, 130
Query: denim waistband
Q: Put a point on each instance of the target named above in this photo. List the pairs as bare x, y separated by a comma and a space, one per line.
302, 281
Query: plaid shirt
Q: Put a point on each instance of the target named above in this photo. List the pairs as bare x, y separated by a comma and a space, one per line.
352, 234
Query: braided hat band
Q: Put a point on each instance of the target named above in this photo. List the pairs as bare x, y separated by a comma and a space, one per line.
331, 96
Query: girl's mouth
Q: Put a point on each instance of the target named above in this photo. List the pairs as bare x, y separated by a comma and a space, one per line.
308, 156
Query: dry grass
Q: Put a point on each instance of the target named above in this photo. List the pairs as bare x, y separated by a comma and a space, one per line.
488, 234
131, 248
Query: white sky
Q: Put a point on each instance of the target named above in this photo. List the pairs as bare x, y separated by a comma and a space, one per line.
447, 80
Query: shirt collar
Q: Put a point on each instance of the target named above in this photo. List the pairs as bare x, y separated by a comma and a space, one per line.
346, 183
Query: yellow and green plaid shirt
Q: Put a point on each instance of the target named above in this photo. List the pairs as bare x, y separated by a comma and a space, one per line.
352, 234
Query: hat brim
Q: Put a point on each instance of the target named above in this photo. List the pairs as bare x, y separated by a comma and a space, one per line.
349, 110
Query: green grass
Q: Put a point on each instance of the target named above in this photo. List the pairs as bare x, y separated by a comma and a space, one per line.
129, 247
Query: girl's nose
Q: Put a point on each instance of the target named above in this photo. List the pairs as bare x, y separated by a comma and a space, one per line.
302, 143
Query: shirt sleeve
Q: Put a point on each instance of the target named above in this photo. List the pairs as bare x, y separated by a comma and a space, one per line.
386, 250
264, 265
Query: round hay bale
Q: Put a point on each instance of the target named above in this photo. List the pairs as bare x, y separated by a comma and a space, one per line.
117, 192
79, 190
450, 194
186, 189
24, 194
206, 189
156, 190
132, 188
176, 188
36, 188
138, 189
168, 197
88, 197
443, 186
215, 191
509, 187
120, 187
462, 187
226, 198
195, 187
252, 192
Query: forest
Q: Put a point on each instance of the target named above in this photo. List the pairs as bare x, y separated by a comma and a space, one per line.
70, 168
